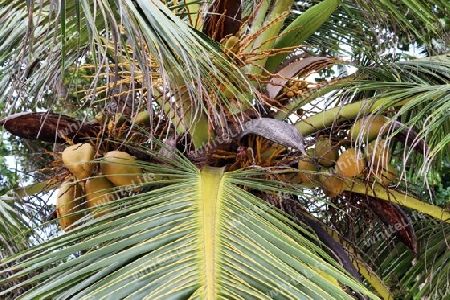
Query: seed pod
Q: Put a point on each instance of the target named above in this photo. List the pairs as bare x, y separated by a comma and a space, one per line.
77, 159
332, 185
326, 153
119, 168
378, 153
369, 127
98, 193
307, 164
68, 203
351, 163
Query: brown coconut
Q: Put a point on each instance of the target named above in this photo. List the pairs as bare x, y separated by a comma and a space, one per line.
99, 192
350, 163
326, 153
142, 118
68, 203
378, 153
307, 164
332, 185
78, 159
120, 168
369, 127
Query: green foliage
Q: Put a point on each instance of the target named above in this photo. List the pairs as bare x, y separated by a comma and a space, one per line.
440, 184
8, 177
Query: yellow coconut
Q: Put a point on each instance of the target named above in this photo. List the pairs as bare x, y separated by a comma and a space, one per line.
78, 159
116, 122
308, 165
369, 128
386, 175
326, 153
332, 185
350, 163
68, 203
99, 192
378, 153
119, 168
291, 178
142, 118
231, 44
100, 117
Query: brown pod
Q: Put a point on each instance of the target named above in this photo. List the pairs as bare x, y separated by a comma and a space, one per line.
350, 163
68, 203
120, 168
99, 192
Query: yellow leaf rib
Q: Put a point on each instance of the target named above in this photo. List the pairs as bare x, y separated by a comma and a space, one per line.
209, 206
403, 199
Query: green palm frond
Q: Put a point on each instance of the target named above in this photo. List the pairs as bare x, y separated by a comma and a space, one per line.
423, 275
380, 30
198, 234
12, 226
187, 61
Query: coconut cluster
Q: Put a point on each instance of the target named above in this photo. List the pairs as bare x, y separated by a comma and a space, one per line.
91, 183
372, 130
330, 166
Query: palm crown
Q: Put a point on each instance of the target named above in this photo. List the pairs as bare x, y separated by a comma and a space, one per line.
197, 157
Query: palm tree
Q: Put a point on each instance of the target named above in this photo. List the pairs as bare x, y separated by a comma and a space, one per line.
237, 190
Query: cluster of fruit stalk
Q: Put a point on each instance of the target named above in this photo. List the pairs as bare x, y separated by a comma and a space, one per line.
118, 169
353, 161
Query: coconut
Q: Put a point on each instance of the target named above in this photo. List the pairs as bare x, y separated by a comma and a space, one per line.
307, 164
231, 44
98, 192
68, 203
369, 127
78, 159
332, 185
120, 168
326, 153
116, 122
350, 163
378, 153
386, 175
142, 118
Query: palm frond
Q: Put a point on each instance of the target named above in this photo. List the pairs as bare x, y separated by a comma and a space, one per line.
424, 275
12, 226
188, 63
198, 233
380, 31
